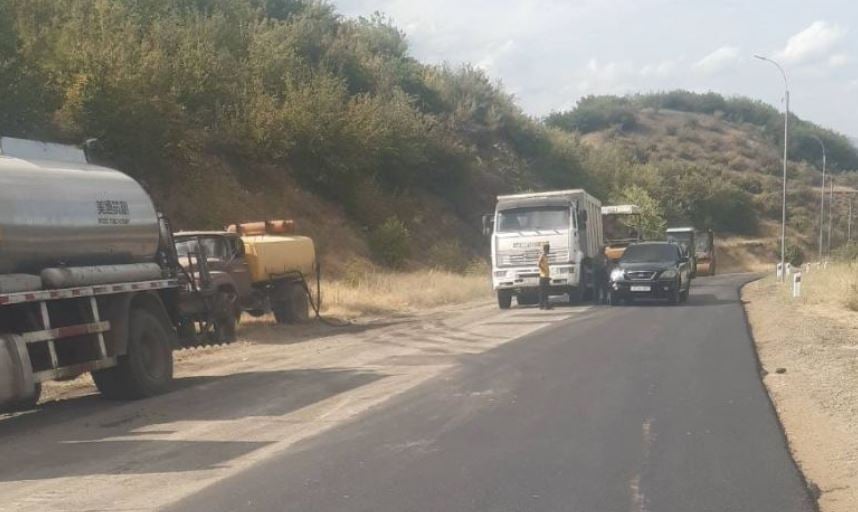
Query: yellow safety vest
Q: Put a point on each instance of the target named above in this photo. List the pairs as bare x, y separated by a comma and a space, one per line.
544, 270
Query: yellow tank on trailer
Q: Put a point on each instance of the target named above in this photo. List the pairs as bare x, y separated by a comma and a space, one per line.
275, 255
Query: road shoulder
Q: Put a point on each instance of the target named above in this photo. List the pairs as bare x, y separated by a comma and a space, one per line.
809, 366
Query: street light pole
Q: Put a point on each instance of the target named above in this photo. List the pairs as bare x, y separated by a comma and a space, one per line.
822, 197
786, 149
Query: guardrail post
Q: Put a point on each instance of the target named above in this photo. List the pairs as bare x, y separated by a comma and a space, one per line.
779, 272
796, 284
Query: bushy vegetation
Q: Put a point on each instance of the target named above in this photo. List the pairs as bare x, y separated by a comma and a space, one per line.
390, 243
598, 112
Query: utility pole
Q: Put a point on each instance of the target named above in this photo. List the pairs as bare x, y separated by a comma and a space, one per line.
786, 149
822, 198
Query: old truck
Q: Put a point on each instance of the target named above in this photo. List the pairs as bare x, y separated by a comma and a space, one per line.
705, 252
89, 280
570, 221
686, 238
621, 224
261, 266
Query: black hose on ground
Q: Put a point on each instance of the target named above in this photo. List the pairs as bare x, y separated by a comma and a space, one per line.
317, 303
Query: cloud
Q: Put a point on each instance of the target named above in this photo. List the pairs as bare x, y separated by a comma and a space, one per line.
719, 60
814, 41
838, 60
661, 69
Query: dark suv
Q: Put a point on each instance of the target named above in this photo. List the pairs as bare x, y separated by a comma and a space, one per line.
651, 270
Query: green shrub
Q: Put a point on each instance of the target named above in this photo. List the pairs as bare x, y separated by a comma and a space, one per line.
448, 255
390, 243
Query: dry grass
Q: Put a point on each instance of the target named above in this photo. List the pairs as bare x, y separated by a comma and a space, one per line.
836, 285
377, 293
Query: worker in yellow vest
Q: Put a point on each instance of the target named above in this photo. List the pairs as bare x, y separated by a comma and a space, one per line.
544, 278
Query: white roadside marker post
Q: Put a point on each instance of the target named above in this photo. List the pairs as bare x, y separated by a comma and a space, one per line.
780, 271
796, 284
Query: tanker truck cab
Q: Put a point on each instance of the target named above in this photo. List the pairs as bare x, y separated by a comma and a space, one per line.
569, 221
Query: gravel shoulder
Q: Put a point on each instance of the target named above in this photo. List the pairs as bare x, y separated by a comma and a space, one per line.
809, 358
234, 406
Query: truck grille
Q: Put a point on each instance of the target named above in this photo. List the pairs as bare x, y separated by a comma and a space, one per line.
519, 258
640, 275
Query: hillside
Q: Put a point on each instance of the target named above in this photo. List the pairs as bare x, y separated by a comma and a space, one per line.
235, 110
719, 150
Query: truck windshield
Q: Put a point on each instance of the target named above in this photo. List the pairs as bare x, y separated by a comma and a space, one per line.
620, 228
683, 239
213, 247
703, 244
650, 253
533, 219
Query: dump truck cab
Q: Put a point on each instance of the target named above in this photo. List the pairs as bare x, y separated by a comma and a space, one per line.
568, 221
622, 227
686, 238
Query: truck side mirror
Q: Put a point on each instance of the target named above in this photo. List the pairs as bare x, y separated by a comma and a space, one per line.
488, 224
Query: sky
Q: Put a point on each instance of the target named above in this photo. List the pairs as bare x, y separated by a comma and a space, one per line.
550, 53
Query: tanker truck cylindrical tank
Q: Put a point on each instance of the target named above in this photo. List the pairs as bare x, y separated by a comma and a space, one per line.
68, 214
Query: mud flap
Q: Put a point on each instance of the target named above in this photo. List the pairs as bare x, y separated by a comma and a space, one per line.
16, 372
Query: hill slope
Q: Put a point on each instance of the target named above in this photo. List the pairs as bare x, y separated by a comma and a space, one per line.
681, 157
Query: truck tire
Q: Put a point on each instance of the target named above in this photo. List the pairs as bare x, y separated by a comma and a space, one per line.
504, 299
299, 305
147, 367
290, 304
224, 317
25, 405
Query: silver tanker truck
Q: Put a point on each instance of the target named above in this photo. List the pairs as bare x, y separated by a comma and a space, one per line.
89, 279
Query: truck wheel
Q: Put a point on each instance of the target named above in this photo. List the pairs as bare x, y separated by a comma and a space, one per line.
224, 317
299, 305
147, 367
504, 299
289, 304
25, 405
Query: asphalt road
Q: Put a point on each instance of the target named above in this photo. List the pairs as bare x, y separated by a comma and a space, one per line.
642, 408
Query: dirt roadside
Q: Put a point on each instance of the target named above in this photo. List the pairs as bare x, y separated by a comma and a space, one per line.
809, 357
234, 406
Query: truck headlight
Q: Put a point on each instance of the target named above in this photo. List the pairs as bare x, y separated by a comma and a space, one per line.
668, 274
617, 274
563, 270
500, 273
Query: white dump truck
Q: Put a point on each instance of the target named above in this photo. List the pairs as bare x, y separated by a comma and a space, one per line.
570, 221
89, 279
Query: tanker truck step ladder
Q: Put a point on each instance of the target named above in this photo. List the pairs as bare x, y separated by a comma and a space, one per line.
51, 335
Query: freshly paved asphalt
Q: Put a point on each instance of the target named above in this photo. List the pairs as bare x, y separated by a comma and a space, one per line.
650, 407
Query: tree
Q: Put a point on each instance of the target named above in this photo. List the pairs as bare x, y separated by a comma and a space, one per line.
652, 214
